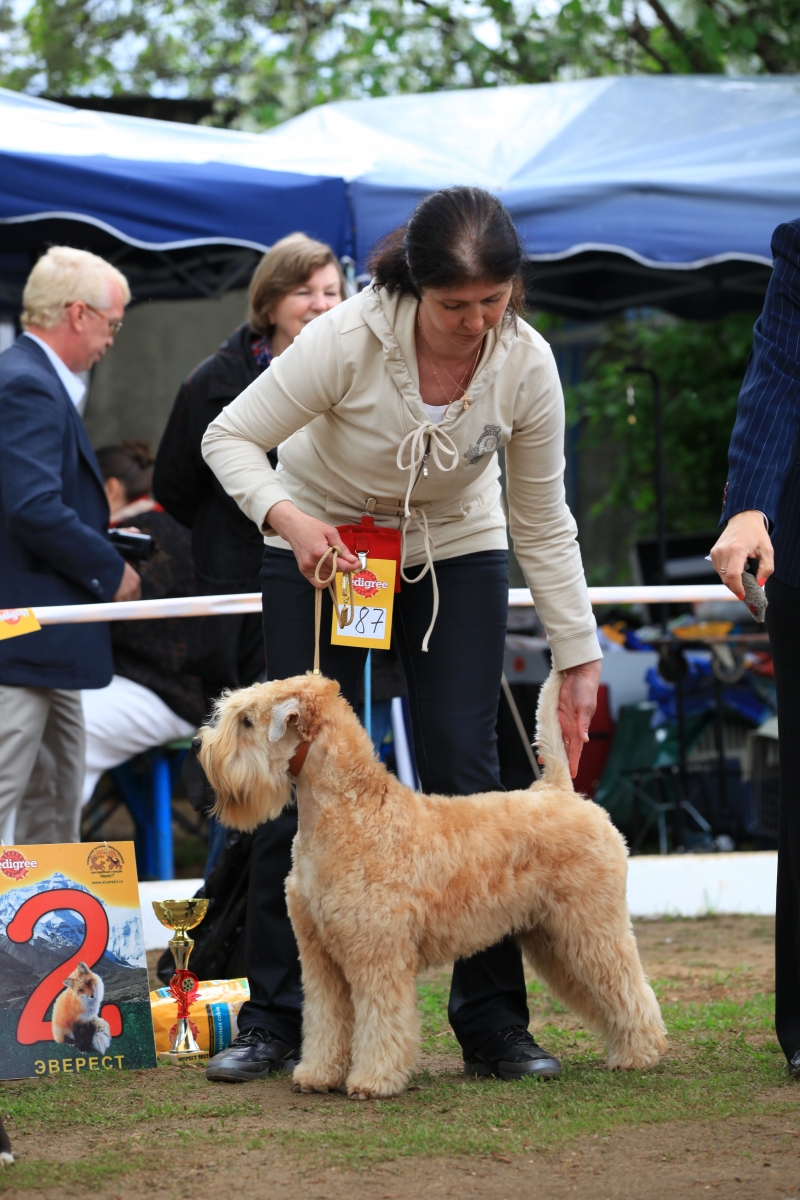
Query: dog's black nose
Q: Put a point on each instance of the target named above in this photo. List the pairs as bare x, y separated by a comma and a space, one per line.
197, 742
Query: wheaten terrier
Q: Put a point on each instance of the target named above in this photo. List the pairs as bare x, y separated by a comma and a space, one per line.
386, 882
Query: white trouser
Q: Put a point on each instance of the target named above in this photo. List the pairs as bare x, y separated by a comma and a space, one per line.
122, 720
41, 765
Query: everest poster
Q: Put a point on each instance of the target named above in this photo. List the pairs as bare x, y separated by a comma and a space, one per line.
74, 994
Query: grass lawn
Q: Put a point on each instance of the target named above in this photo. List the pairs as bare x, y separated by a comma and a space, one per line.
148, 1132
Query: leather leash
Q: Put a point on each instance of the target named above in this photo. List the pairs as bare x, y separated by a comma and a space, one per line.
346, 613
344, 616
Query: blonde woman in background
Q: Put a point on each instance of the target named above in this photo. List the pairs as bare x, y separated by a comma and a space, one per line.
296, 281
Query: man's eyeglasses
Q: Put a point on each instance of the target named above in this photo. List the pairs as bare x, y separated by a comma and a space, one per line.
113, 326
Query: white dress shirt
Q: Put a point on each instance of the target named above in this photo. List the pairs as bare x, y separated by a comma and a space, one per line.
76, 388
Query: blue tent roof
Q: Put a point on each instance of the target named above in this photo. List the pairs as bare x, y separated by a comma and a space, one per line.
155, 184
672, 171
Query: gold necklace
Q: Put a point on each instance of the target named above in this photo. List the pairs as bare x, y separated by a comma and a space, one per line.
466, 399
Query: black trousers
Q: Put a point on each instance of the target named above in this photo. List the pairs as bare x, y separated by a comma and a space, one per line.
454, 692
783, 624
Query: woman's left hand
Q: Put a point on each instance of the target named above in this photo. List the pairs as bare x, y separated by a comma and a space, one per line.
576, 704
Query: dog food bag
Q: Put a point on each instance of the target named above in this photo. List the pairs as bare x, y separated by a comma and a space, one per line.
213, 1016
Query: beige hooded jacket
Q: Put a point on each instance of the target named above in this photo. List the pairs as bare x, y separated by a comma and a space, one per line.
343, 405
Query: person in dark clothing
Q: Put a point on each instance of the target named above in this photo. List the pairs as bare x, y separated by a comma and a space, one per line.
53, 544
160, 655
761, 511
156, 695
296, 280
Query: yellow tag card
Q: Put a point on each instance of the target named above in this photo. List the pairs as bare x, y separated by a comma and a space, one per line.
16, 621
373, 600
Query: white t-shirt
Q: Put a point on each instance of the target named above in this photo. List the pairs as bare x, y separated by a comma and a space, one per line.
435, 412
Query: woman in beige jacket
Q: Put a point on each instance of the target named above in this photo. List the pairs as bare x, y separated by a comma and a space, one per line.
396, 402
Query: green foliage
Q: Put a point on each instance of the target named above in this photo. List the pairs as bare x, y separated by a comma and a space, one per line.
265, 60
700, 367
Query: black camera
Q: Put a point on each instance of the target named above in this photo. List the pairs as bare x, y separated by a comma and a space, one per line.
137, 547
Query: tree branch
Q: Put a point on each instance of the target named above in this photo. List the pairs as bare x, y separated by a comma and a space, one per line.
698, 61
639, 34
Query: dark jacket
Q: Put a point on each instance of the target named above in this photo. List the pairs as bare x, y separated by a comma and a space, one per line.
764, 454
161, 654
227, 546
53, 517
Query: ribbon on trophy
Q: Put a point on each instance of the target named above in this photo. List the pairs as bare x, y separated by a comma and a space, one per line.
184, 988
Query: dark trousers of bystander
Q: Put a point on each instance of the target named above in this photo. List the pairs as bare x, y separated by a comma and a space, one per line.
454, 692
783, 624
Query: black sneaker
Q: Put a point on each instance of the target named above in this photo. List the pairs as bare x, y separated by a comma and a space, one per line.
512, 1054
254, 1053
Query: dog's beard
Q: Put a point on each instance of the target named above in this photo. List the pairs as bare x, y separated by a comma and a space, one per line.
250, 788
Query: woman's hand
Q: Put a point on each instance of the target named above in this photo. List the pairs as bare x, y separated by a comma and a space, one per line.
745, 536
309, 538
576, 704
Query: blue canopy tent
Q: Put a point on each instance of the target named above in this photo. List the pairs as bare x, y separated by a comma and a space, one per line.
185, 208
626, 190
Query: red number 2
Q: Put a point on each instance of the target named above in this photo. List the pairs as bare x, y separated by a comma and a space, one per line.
32, 1026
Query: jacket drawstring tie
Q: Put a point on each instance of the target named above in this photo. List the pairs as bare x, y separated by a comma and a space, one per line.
426, 440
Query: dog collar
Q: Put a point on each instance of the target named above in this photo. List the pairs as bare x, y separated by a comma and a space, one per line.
298, 758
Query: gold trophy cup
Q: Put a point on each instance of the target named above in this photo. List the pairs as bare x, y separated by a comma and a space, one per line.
180, 916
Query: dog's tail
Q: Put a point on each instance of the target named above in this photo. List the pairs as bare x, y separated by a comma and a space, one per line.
549, 740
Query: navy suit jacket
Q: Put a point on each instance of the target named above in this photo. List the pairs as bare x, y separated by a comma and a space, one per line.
764, 454
53, 517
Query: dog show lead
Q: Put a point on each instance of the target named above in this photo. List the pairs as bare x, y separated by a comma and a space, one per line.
396, 402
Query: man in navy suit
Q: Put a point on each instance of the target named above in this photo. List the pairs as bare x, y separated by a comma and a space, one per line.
53, 544
762, 508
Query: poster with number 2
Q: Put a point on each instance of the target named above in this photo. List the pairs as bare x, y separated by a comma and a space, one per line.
73, 975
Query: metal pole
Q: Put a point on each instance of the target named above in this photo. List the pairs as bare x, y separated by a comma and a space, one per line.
661, 519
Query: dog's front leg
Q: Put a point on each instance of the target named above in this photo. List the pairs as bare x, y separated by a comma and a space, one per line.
327, 1008
386, 1033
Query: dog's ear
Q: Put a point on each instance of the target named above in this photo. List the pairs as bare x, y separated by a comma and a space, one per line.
283, 712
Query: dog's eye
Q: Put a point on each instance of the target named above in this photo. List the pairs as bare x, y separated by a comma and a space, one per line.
246, 721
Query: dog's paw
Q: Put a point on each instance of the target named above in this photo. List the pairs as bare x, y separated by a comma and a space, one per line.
304, 1079
6, 1158
374, 1091
638, 1060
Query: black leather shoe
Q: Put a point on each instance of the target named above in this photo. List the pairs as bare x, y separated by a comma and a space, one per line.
512, 1054
254, 1053
794, 1065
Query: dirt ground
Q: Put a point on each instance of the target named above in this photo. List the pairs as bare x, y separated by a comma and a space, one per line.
695, 961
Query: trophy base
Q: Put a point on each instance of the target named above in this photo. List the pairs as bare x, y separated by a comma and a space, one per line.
182, 1056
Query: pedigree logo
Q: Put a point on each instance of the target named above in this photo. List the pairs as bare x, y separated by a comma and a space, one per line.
15, 866
367, 584
12, 616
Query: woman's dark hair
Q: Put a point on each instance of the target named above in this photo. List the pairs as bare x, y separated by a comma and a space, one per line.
455, 236
132, 464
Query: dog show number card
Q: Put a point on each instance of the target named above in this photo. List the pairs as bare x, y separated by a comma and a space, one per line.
373, 600
74, 995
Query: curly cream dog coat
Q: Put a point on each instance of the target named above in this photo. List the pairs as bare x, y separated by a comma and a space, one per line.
387, 882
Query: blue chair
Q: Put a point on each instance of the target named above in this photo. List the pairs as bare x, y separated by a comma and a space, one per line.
147, 795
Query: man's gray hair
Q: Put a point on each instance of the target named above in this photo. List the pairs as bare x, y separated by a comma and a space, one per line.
64, 275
